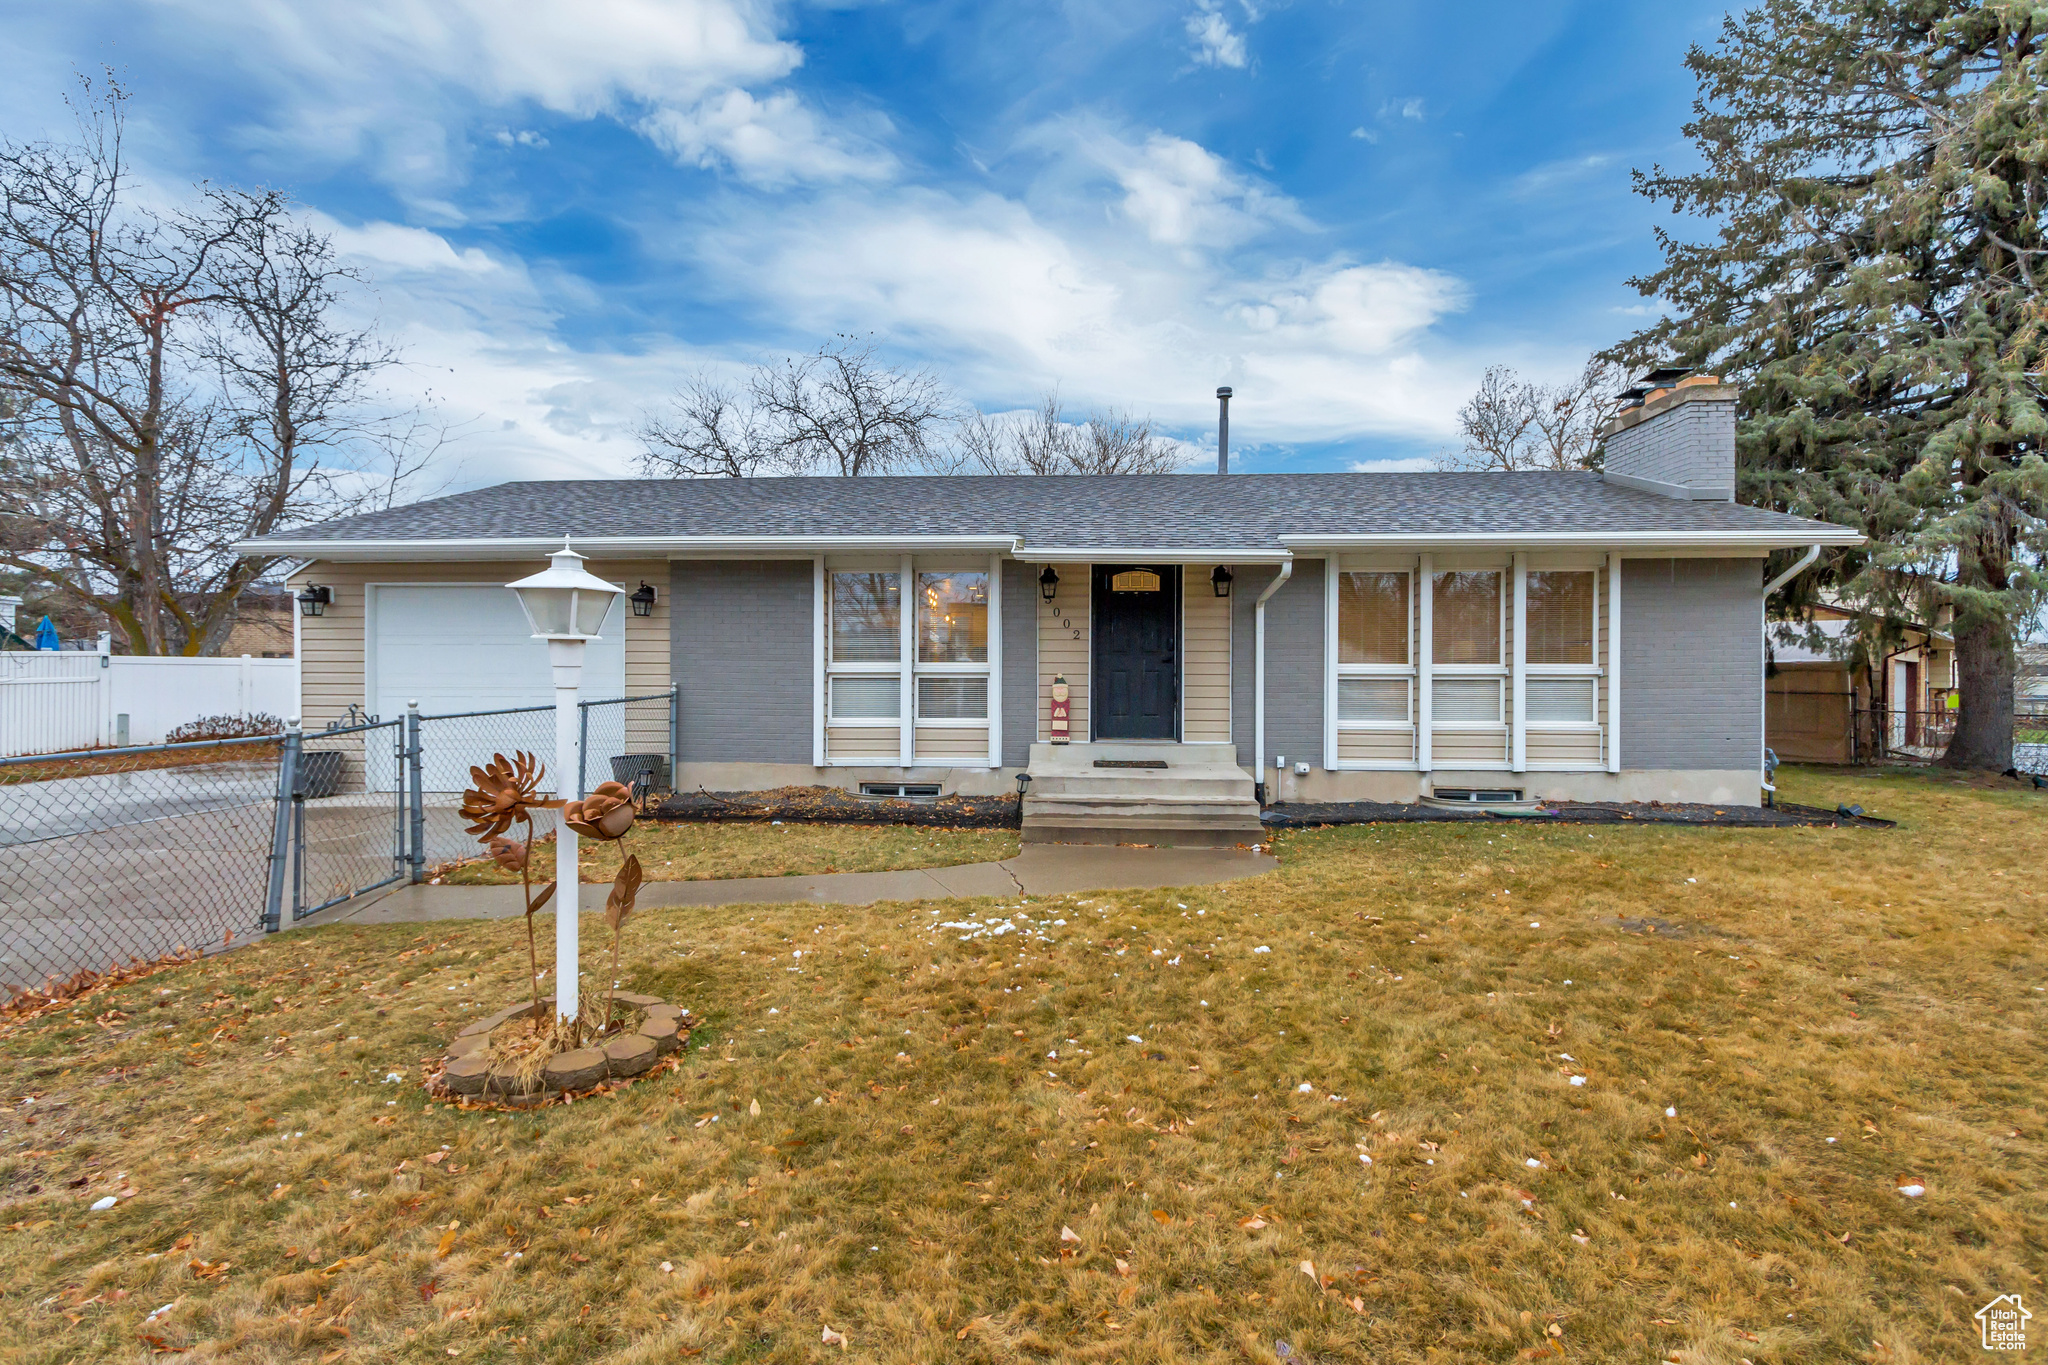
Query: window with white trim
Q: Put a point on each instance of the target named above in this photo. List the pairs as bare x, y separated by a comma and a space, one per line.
1372, 665
1466, 618
1456, 701
864, 649
1561, 691
866, 618
1374, 701
952, 699
1561, 616
952, 683
866, 697
1551, 701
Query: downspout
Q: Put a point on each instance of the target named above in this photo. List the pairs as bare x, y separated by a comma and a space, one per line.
1259, 675
1769, 759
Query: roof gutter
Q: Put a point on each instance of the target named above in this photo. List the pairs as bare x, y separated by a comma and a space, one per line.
1590, 540
1259, 673
622, 547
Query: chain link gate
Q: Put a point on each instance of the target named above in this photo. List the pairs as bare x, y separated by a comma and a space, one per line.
344, 793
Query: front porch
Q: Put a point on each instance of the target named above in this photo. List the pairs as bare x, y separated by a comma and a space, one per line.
1140, 792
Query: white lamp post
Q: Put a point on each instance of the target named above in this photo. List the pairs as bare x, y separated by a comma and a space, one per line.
566, 607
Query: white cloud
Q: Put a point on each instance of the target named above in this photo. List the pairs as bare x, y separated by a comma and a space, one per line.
1365, 134
1407, 464
1319, 349
1178, 191
1216, 42
1410, 108
389, 247
1552, 176
397, 82
772, 141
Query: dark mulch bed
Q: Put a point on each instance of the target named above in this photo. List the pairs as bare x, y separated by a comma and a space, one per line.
1305, 814
831, 806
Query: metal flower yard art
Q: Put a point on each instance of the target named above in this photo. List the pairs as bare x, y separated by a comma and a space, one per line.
539, 1062
506, 793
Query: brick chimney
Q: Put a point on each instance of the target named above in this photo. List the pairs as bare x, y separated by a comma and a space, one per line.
1675, 435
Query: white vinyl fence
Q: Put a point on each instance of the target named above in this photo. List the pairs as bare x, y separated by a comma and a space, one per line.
55, 700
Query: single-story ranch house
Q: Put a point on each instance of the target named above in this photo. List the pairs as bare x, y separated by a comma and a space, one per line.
1215, 638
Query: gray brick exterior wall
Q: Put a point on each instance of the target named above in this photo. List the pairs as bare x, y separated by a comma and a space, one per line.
740, 636
1691, 445
1294, 665
1020, 662
1692, 661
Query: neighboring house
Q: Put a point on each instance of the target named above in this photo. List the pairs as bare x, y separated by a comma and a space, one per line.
263, 624
1870, 685
1335, 636
2030, 688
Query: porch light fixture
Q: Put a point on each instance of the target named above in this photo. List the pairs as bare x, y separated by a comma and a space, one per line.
313, 601
643, 600
566, 606
1219, 579
1048, 584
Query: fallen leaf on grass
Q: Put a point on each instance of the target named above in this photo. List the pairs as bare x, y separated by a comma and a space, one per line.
1127, 1295
1161, 1216
447, 1244
1067, 1234
1251, 1224
1308, 1268
832, 1338
208, 1270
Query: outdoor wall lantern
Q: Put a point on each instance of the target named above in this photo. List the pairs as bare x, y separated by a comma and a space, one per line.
643, 600
1048, 584
566, 606
313, 601
1219, 579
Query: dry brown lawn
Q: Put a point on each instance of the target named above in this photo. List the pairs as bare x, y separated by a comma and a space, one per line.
697, 852
1127, 1128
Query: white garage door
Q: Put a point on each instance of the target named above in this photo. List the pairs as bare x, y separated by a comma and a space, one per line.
457, 649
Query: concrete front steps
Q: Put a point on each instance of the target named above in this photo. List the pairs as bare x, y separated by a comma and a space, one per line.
1200, 799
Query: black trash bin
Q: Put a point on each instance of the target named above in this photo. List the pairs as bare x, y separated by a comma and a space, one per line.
627, 768
319, 774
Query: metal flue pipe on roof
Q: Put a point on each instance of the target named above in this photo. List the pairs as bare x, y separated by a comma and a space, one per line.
1223, 430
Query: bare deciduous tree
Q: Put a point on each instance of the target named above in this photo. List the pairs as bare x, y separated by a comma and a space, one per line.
707, 430
1045, 442
1511, 426
841, 411
837, 410
176, 377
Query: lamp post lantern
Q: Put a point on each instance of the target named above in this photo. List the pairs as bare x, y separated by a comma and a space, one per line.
566, 606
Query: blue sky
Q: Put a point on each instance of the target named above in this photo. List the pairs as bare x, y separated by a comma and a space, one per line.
1345, 210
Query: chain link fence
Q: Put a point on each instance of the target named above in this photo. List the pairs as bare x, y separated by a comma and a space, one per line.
625, 739
114, 856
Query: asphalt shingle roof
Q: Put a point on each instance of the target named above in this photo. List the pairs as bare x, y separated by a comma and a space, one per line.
1152, 511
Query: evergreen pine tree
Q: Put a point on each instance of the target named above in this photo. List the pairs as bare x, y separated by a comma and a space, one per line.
1875, 173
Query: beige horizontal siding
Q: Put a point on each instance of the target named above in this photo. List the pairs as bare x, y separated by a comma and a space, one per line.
331, 645
1563, 748
1458, 748
873, 743
1376, 746
1205, 677
1063, 650
950, 744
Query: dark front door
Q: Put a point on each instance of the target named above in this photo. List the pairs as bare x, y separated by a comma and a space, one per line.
1137, 651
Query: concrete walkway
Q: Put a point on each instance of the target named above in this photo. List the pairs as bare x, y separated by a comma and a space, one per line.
1040, 870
